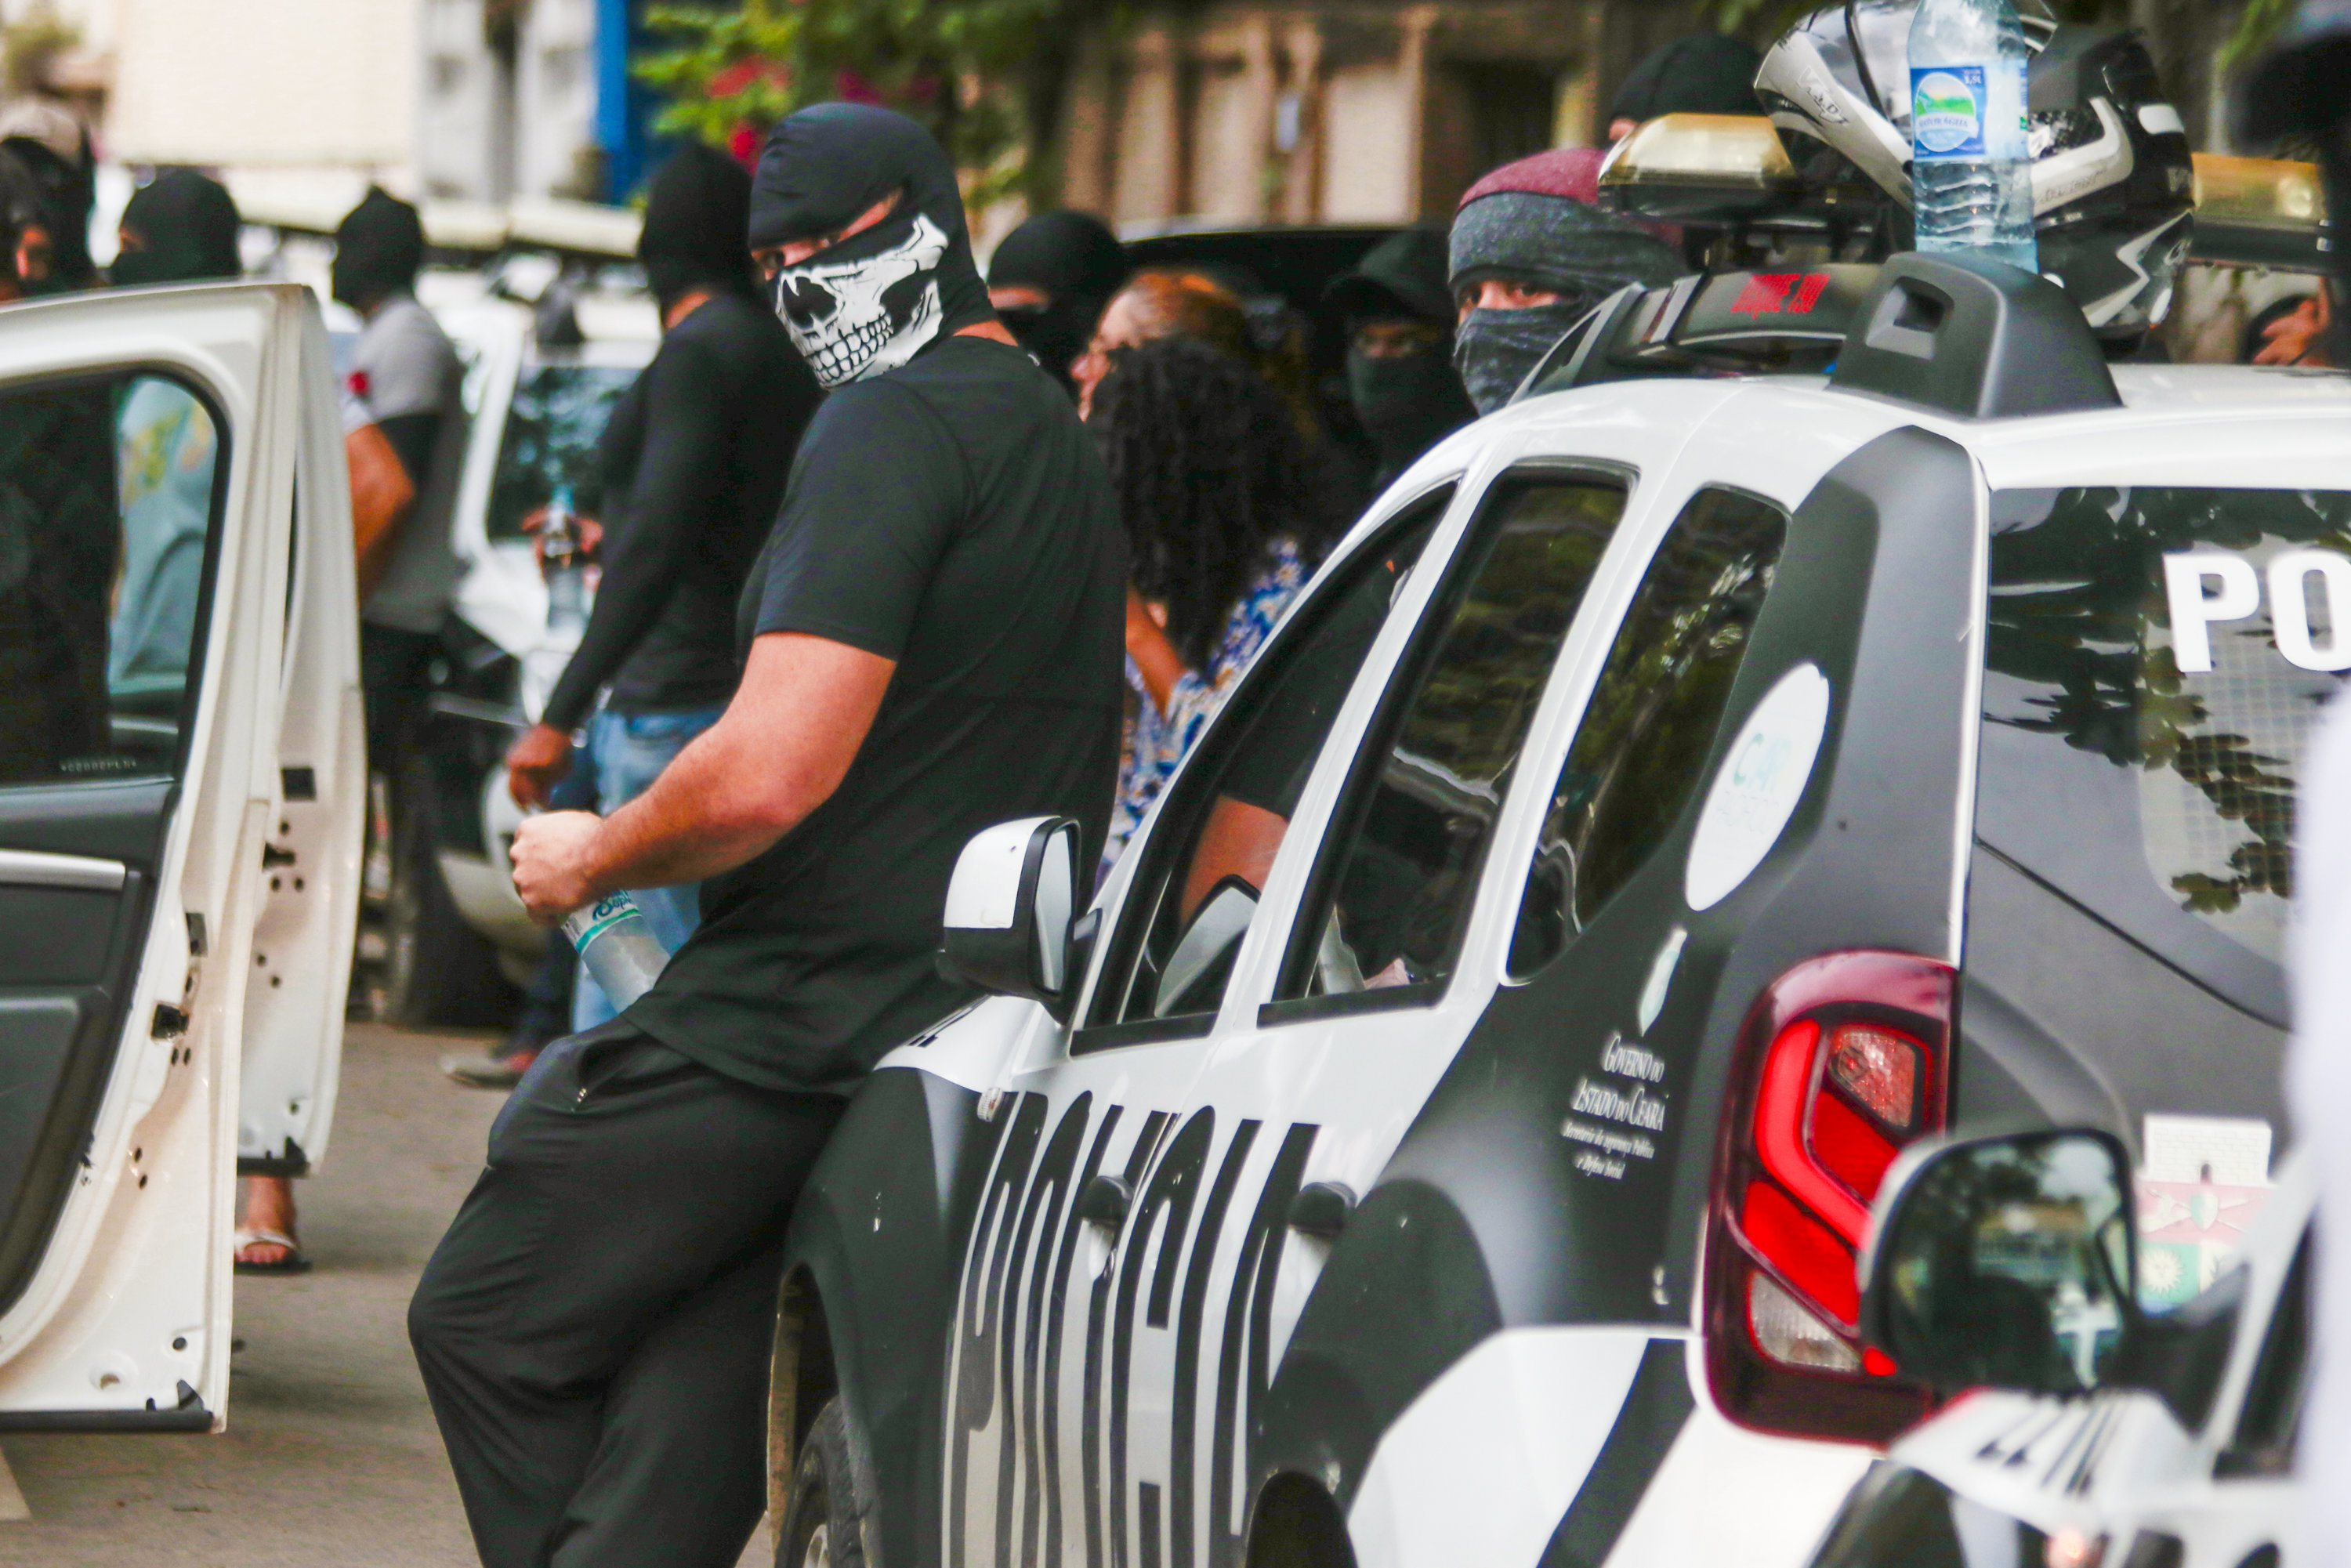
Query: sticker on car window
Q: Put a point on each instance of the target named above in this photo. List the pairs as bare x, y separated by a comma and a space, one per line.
2206, 588
1755, 792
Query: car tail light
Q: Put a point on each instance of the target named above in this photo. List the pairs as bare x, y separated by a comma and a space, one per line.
1841, 1060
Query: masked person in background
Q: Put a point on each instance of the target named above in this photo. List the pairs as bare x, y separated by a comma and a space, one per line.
52, 144
930, 641
403, 437
1706, 73
1049, 281
180, 227
698, 447
1531, 254
1400, 372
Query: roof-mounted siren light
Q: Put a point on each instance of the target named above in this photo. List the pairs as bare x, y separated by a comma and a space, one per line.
1716, 170
2261, 212
1705, 166
1975, 338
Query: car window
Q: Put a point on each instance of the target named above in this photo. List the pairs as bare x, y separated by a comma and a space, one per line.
553, 423
108, 505
1652, 718
1391, 896
2154, 659
1195, 893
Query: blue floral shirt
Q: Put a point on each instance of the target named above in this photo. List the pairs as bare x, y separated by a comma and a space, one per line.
1156, 741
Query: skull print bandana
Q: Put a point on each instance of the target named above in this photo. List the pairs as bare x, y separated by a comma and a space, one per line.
875, 300
850, 319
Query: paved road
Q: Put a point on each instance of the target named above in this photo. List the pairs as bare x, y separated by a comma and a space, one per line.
331, 1457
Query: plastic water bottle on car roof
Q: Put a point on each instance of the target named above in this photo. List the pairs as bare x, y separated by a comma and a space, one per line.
1972, 170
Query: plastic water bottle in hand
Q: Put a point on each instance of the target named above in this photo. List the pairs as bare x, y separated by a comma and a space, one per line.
617, 943
559, 557
1972, 170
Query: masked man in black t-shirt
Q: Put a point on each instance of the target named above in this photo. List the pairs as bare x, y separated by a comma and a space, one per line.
931, 641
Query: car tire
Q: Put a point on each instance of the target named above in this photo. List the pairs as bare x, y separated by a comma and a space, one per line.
827, 1509
436, 968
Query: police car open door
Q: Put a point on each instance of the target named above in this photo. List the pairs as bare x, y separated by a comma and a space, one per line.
180, 780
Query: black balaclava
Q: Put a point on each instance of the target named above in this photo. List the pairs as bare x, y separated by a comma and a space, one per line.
66, 197
2302, 89
1078, 263
187, 223
698, 226
1410, 403
1705, 73
379, 248
874, 301
1533, 221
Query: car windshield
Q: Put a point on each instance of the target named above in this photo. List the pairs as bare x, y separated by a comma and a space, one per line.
2155, 660
553, 424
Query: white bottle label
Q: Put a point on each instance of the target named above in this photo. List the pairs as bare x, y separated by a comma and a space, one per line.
1947, 111
584, 926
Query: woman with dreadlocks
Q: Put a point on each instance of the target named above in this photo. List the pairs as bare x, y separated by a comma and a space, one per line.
1211, 479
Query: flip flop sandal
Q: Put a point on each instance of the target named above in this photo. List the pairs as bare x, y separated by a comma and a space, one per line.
262, 1236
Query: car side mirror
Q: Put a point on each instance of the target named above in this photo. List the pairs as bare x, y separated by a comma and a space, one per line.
1009, 905
2004, 1263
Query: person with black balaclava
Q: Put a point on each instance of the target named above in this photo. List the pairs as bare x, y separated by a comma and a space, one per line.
53, 146
1400, 372
179, 227
698, 447
1531, 254
1706, 73
930, 643
404, 441
1049, 281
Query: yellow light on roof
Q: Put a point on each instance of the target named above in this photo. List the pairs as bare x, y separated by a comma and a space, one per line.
2259, 193
1718, 150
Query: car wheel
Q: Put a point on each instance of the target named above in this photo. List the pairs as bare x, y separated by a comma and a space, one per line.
825, 1515
436, 968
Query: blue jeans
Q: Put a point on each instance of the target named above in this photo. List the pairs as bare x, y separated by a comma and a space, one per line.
626, 752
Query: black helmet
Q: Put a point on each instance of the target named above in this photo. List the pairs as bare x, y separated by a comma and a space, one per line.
2113, 184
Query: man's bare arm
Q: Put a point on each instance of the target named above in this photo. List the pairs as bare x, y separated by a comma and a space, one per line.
381, 494
778, 752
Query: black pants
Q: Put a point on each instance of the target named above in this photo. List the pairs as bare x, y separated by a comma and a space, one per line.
595, 1328
393, 684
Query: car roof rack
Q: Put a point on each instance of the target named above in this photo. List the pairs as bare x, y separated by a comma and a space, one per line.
1976, 338
1955, 334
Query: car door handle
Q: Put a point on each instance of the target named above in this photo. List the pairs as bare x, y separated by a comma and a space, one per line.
1320, 1209
31, 868
1104, 1201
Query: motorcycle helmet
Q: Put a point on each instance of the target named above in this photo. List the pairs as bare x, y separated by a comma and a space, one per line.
2113, 184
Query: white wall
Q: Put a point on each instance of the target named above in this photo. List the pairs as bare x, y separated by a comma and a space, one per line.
267, 83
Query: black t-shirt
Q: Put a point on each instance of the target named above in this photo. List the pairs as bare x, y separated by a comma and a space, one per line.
693, 461
950, 514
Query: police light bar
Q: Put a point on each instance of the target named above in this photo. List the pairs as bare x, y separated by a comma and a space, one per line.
1707, 169
2260, 211
1782, 319
1955, 333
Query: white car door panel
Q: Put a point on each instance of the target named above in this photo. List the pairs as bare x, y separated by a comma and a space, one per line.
164, 748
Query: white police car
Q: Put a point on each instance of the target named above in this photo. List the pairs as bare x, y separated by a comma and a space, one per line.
1446, 1135
181, 781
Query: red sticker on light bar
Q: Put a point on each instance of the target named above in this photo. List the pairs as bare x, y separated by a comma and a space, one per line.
1779, 294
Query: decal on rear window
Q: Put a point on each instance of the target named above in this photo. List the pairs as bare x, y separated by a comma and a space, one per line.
2188, 637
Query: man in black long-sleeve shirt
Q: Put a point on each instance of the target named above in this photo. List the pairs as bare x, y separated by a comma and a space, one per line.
697, 452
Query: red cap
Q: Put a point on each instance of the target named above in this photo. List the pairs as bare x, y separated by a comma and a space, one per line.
1570, 172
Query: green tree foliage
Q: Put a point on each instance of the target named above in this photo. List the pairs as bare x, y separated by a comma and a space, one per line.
971, 71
